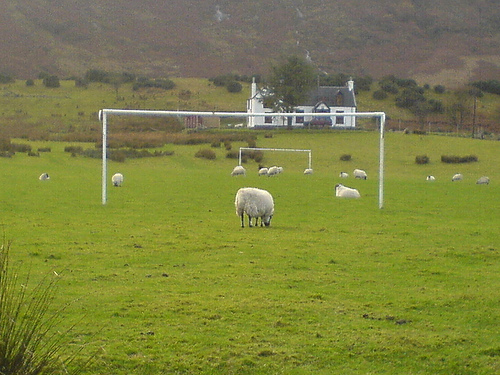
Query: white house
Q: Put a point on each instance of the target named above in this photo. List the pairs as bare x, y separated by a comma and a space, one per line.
322, 99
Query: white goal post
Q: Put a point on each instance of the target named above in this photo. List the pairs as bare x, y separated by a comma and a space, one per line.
276, 149
104, 113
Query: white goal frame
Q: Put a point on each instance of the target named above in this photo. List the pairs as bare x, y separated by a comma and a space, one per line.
276, 149
105, 113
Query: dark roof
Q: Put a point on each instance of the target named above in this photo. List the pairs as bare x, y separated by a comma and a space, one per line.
329, 94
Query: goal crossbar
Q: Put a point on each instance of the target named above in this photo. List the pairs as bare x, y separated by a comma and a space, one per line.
104, 113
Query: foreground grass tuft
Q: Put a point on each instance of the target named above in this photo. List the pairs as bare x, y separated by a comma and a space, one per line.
29, 342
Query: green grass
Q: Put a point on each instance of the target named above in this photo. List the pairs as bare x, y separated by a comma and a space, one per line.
168, 282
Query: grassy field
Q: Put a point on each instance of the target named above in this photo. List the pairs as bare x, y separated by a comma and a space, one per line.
163, 280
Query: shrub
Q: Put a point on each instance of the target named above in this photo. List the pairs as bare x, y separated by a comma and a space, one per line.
234, 87
439, 89
73, 149
379, 95
215, 144
345, 157
51, 81
422, 159
44, 149
205, 153
452, 159
21, 147
232, 155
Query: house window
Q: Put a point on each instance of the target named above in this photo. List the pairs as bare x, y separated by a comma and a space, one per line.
339, 99
339, 120
299, 119
268, 119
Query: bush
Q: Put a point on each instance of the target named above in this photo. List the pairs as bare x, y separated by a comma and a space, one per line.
234, 87
232, 155
345, 157
452, 159
422, 159
51, 81
205, 153
439, 89
73, 149
379, 95
44, 149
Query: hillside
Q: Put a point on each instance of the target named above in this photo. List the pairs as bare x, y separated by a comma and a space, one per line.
445, 41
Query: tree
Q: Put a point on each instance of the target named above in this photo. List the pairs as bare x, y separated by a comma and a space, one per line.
290, 83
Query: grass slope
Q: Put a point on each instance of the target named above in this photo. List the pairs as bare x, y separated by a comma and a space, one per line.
167, 281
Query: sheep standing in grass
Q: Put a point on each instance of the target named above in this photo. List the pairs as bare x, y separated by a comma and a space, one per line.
359, 173
255, 203
273, 171
483, 180
117, 179
263, 171
308, 171
44, 176
238, 170
457, 177
346, 192
343, 175
430, 178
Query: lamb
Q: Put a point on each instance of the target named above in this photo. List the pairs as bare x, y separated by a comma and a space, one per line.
457, 177
343, 175
44, 176
255, 203
346, 192
308, 171
483, 180
117, 179
238, 170
430, 178
359, 173
263, 171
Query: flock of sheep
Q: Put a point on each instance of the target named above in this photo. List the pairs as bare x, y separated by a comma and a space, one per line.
259, 204
484, 180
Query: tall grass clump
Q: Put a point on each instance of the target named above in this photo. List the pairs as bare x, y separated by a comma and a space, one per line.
29, 341
422, 159
452, 159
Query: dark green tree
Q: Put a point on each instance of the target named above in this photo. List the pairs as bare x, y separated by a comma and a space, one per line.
290, 83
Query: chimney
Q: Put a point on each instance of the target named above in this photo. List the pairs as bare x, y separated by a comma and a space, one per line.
350, 84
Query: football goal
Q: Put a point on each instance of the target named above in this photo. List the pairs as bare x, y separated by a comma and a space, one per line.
105, 113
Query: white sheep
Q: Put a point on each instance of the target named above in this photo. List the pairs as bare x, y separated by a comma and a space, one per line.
280, 170
346, 192
308, 171
255, 203
343, 175
44, 176
273, 171
483, 180
359, 173
430, 178
239, 170
117, 179
263, 171
457, 177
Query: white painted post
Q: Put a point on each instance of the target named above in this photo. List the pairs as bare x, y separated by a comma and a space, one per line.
381, 164
104, 117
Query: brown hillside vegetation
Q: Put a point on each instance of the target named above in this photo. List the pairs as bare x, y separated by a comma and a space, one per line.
450, 41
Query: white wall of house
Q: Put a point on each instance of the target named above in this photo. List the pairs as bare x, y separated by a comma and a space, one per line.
255, 104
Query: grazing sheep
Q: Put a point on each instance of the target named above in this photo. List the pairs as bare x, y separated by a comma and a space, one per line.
457, 177
263, 171
238, 170
483, 181
431, 178
117, 179
255, 203
346, 192
359, 173
343, 175
44, 176
308, 171
280, 170
273, 171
